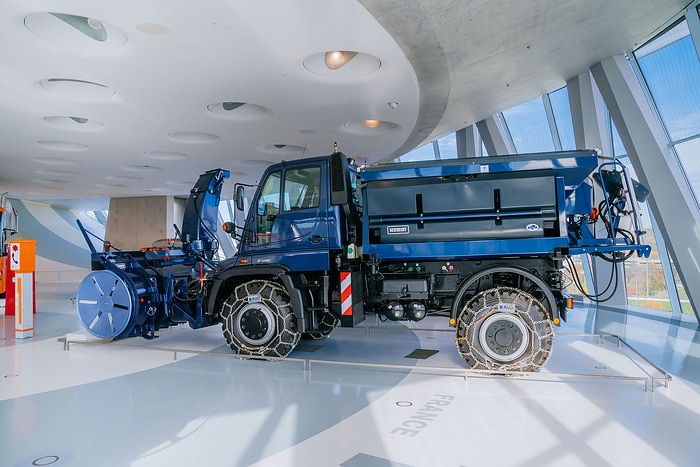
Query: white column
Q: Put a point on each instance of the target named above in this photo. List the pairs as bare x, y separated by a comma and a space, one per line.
467, 140
495, 137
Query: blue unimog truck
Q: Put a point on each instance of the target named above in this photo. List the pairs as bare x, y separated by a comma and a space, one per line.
481, 241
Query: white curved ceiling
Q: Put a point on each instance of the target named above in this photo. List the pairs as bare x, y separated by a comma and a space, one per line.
136, 98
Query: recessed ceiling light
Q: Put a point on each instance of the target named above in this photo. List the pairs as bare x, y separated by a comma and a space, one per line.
359, 64
48, 181
53, 172
238, 110
282, 149
76, 88
76, 32
229, 106
368, 127
62, 145
91, 27
73, 123
55, 161
193, 136
338, 58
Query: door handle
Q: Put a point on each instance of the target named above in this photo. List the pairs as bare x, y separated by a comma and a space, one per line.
317, 239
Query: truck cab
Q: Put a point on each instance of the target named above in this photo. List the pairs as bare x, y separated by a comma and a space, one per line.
302, 218
292, 210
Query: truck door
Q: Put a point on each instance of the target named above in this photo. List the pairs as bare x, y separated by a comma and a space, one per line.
291, 223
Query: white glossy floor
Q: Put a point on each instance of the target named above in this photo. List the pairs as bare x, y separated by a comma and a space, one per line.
184, 400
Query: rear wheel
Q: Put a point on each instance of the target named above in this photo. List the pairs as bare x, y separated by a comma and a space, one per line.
258, 320
504, 329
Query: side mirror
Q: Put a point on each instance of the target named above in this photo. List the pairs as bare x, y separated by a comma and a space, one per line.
229, 228
240, 195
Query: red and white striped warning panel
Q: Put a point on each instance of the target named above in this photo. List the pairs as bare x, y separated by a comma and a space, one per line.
345, 293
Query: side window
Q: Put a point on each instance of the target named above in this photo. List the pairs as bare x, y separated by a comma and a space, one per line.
268, 207
302, 188
356, 192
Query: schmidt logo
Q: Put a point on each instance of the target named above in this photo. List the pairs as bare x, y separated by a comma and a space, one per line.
397, 229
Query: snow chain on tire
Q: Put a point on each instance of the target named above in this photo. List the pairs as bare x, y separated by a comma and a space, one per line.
258, 320
504, 329
326, 326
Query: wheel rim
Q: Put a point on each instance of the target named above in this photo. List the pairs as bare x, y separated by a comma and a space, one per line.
255, 324
504, 337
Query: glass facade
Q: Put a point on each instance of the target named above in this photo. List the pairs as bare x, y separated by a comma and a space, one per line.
671, 71
562, 117
422, 153
447, 147
618, 149
529, 127
645, 280
689, 157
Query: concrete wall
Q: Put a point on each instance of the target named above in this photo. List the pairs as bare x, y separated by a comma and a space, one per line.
134, 223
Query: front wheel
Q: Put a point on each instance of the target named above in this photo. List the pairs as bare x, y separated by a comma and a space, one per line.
258, 320
504, 329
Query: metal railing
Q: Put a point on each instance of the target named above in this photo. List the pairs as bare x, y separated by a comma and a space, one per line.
650, 377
